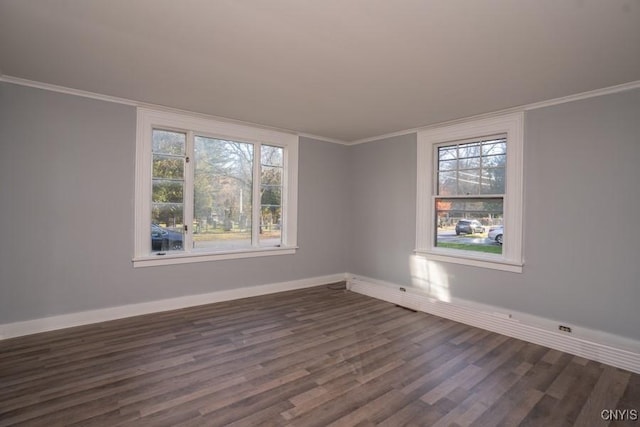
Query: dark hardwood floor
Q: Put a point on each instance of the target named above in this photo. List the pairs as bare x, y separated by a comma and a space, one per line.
313, 357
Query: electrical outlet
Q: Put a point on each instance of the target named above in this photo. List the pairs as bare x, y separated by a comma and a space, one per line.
403, 290
564, 328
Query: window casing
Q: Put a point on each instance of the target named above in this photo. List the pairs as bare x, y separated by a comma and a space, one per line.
471, 171
210, 190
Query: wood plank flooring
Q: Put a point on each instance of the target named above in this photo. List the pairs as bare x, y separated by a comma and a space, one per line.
313, 357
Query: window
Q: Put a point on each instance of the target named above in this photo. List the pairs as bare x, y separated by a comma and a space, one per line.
208, 190
470, 193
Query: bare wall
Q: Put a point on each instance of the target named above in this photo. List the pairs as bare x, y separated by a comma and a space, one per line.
66, 194
382, 185
582, 201
66, 199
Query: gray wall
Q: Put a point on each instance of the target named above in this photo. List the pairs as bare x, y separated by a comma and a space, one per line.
66, 204
66, 195
382, 190
582, 204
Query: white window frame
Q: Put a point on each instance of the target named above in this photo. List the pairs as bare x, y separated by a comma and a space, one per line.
196, 125
513, 126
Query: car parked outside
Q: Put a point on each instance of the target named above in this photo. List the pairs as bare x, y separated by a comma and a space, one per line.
163, 239
469, 226
495, 233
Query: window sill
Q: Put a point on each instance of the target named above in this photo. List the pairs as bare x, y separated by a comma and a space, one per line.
182, 258
455, 257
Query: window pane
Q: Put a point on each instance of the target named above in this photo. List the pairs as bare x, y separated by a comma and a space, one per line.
271, 174
496, 146
169, 142
447, 153
168, 167
469, 182
223, 188
167, 191
465, 224
447, 184
469, 163
448, 165
494, 161
167, 227
469, 150
167, 197
493, 180
272, 156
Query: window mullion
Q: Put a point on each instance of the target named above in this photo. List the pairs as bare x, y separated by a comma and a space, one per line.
480, 178
255, 200
144, 185
284, 229
189, 192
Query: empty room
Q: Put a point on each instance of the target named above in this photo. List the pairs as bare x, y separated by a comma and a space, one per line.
314, 213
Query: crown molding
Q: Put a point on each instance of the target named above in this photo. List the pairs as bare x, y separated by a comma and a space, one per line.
124, 101
130, 102
527, 107
67, 90
323, 138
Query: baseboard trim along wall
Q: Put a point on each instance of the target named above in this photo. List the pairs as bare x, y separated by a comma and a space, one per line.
593, 345
28, 327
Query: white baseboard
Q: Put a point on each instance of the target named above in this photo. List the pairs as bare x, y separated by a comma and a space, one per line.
590, 344
10, 330
594, 345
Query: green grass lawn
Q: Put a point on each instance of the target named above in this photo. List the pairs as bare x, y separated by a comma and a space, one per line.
219, 234
492, 249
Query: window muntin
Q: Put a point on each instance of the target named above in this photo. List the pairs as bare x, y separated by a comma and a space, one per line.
196, 177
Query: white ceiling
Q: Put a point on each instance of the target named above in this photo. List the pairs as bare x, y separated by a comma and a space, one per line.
342, 69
